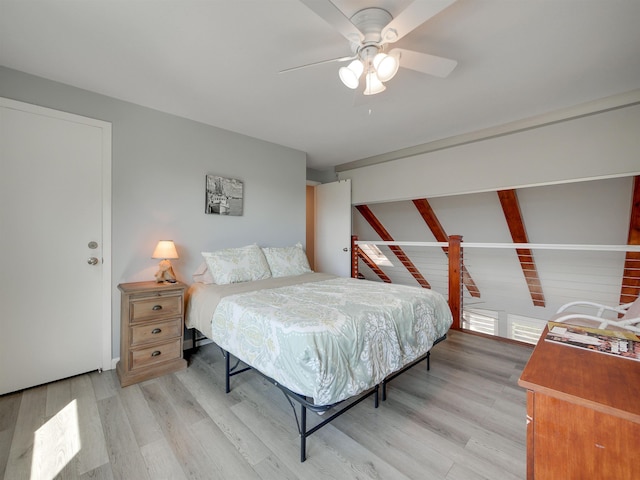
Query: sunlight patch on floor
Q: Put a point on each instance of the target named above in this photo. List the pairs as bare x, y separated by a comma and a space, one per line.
56, 443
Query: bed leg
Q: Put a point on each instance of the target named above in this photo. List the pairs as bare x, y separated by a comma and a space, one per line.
384, 391
227, 386
428, 361
303, 433
376, 402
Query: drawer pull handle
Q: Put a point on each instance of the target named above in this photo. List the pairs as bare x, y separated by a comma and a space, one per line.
157, 307
156, 353
156, 330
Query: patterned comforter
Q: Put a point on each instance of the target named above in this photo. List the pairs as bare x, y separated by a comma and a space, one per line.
328, 339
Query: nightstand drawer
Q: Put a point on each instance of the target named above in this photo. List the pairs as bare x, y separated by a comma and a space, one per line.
145, 357
156, 331
151, 329
156, 307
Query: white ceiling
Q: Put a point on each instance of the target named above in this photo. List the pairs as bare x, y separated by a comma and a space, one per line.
217, 62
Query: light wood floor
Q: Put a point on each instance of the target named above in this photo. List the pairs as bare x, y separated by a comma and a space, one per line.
465, 419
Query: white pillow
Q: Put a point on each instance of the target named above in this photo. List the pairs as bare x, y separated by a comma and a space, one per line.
235, 265
202, 275
287, 261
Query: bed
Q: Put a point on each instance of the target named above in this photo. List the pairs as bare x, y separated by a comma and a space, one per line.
321, 339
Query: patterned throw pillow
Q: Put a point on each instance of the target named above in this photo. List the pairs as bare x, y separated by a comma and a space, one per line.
287, 261
235, 265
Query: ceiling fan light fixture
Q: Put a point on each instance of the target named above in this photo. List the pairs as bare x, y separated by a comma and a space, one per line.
350, 75
374, 85
370, 31
386, 66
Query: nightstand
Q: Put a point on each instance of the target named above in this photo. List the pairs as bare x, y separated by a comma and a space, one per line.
151, 329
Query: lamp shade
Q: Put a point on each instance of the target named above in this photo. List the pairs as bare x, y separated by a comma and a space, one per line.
350, 75
374, 85
386, 66
165, 249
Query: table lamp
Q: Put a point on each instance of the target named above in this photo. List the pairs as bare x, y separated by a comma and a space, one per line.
165, 250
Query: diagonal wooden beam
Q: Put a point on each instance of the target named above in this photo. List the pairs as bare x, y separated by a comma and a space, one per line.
631, 276
372, 265
513, 215
429, 216
385, 236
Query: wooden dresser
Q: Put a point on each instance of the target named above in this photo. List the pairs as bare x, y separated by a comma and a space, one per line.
151, 330
583, 414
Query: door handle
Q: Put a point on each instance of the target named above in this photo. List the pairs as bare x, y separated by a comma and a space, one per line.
92, 261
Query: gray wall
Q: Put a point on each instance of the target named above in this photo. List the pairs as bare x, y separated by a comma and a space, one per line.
159, 163
322, 176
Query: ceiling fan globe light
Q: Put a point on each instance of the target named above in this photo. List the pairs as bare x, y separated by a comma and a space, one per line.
350, 75
374, 85
386, 66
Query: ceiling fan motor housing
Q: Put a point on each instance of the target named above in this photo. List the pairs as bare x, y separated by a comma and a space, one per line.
370, 22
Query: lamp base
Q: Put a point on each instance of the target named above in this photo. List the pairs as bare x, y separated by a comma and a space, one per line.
165, 272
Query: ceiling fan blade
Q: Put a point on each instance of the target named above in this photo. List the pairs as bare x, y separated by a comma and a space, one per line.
425, 63
331, 14
331, 60
411, 17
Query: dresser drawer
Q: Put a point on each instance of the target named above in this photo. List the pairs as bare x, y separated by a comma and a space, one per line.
156, 307
156, 331
145, 357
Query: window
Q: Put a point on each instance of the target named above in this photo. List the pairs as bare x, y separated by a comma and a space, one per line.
483, 321
525, 329
376, 256
508, 325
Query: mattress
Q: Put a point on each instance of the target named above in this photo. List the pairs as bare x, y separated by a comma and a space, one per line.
327, 338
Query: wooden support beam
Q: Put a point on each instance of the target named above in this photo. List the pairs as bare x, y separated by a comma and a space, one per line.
430, 218
631, 276
513, 215
455, 282
385, 236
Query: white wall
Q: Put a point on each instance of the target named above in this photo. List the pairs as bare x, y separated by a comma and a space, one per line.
595, 146
593, 212
566, 205
159, 165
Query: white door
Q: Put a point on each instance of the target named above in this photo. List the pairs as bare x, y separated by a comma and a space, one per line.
54, 202
333, 228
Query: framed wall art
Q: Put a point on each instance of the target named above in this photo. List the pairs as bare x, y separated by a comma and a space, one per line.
223, 196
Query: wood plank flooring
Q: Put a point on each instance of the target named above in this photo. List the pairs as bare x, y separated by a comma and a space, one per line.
464, 419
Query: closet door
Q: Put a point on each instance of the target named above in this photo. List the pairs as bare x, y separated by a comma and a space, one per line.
55, 319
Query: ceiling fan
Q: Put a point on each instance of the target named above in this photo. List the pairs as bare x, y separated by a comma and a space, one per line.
369, 32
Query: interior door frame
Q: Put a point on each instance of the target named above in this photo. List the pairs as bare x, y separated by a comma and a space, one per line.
105, 128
